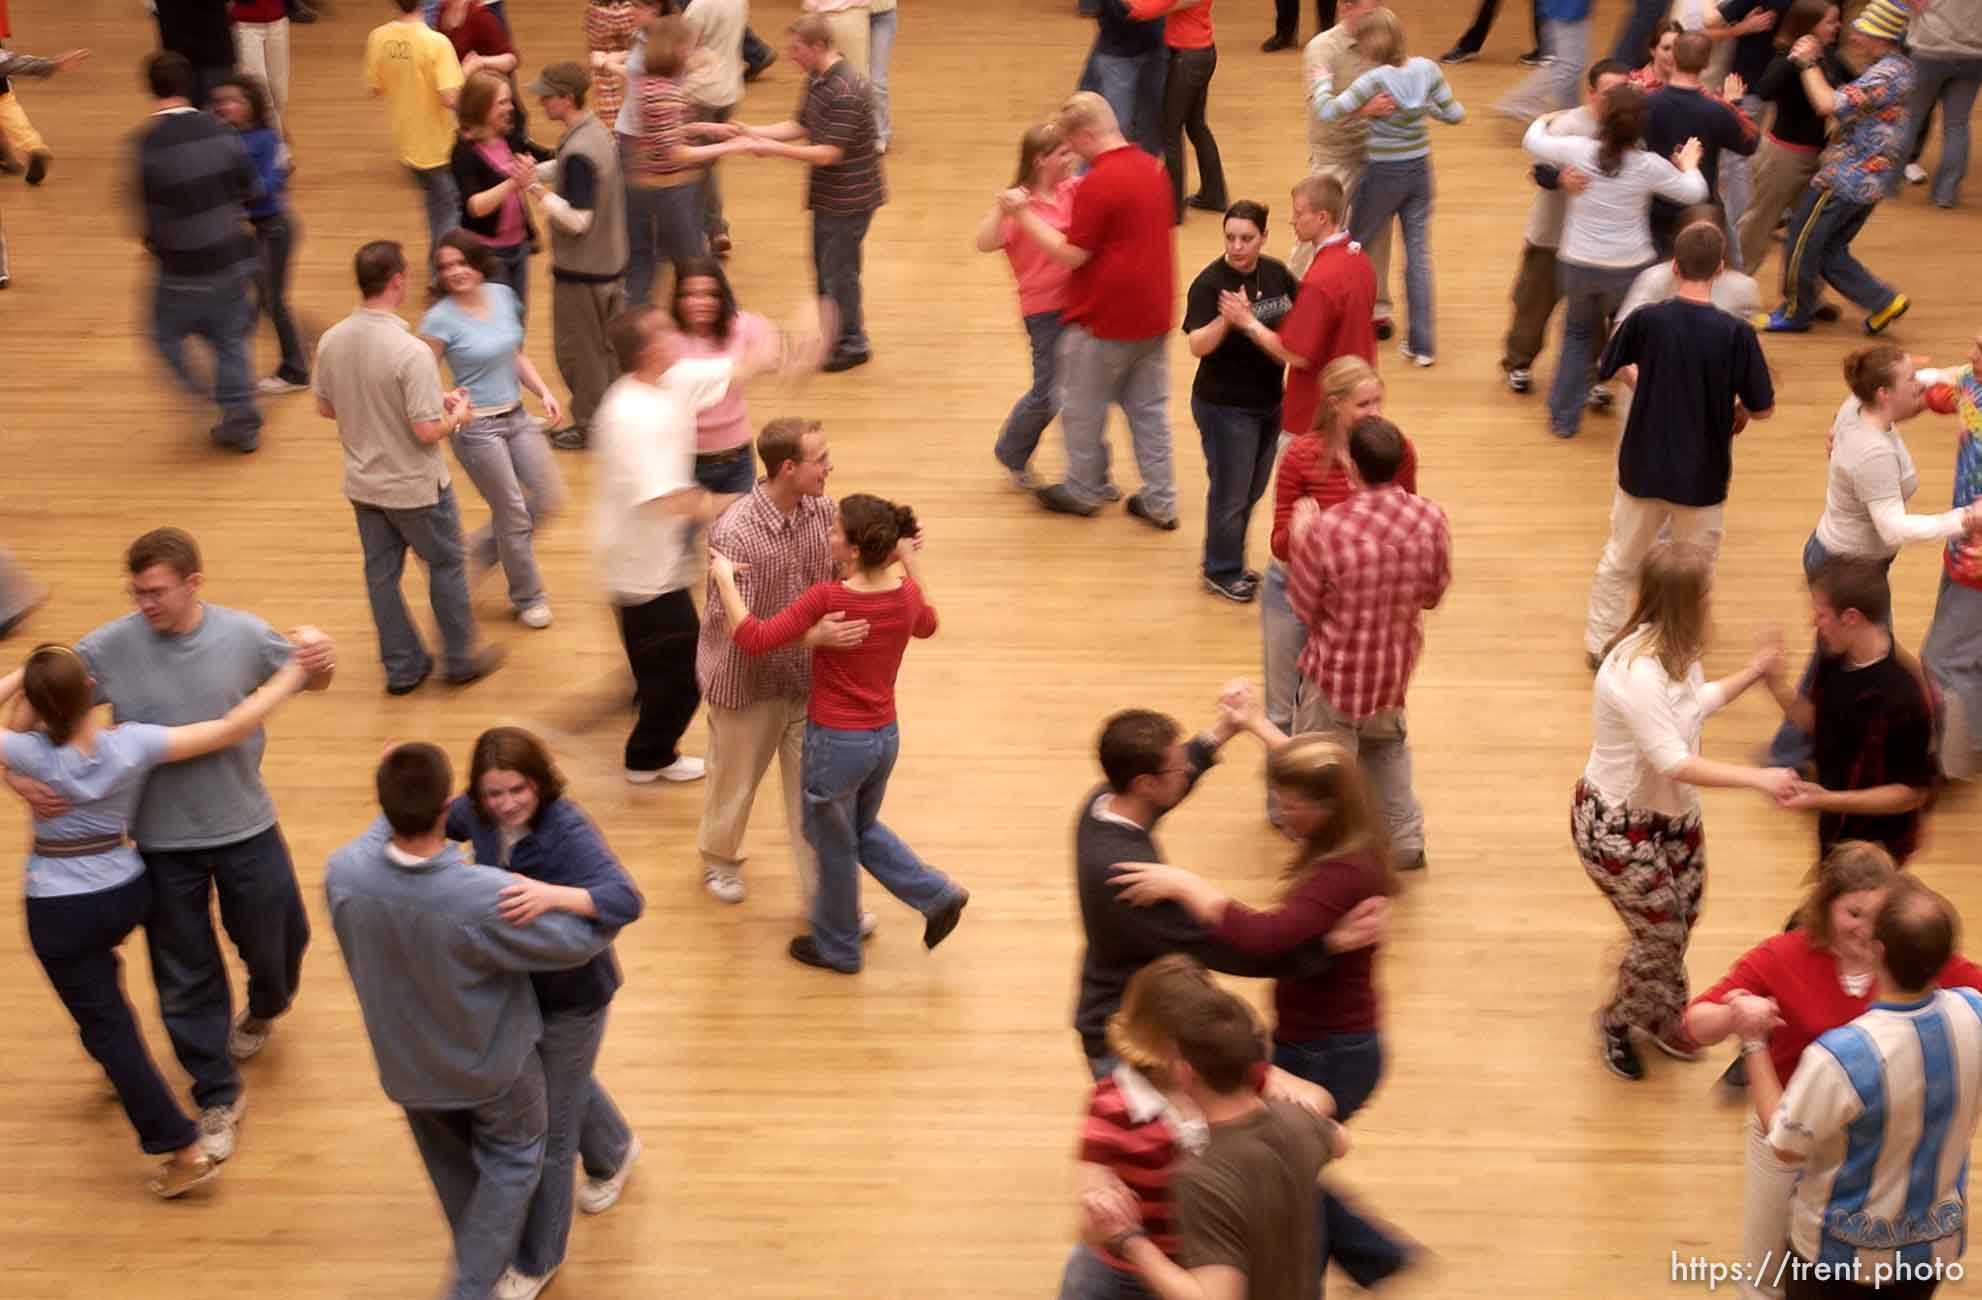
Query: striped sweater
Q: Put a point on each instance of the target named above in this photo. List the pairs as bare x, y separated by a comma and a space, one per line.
1420, 91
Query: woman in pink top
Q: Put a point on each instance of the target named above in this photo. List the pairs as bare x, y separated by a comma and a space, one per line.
711, 326
851, 737
1046, 167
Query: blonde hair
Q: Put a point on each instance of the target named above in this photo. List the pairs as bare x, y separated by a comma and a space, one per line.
1318, 768
670, 40
1086, 111
1670, 618
1322, 194
1850, 866
1140, 1030
1036, 143
1380, 37
1340, 379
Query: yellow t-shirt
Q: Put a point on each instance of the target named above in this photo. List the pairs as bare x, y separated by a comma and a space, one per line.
411, 64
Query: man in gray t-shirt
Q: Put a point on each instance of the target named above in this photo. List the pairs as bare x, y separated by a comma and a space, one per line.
206, 825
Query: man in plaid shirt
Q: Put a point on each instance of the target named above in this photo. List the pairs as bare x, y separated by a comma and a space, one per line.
1361, 574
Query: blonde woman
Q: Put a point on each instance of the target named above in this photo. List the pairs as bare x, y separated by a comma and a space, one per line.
1635, 815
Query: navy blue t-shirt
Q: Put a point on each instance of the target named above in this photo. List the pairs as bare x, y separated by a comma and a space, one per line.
1119, 34
1693, 362
1753, 51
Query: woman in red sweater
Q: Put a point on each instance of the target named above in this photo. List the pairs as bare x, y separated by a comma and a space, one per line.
1786, 992
1325, 1027
851, 738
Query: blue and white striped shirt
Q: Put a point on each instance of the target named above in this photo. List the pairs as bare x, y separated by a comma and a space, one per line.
1420, 91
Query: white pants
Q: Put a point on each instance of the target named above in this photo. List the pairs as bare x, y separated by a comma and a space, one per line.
262, 50
1635, 523
1765, 1198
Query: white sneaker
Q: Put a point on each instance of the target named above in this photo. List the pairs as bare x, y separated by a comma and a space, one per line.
248, 1036
723, 886
538, 616
869, 923
643, 776
1916, 174
597, 1195
513, 1285
276, 385
217, 1128
684, 768
1419, 359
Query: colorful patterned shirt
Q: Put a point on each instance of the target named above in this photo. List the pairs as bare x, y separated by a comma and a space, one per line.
1871, 131
1960, 393
1361, 580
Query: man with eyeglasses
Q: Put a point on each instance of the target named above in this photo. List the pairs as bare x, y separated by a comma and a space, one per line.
206, 825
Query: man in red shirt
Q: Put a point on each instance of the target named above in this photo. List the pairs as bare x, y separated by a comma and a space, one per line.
1361, 574
1120, 307
1333, 307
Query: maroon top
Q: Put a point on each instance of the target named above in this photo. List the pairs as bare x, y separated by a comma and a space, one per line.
253, 11
1342, 998
480, 33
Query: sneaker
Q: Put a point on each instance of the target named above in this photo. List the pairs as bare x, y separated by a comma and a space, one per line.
1532, 59
597, 1195
1416, 862
1825, 312
1520, 380
248, 1036
1276, 43
1203, 204
570, 438
276, 385
407, 688
1619, 1056
1422, 360
755, 70
1237, 590
1915, 174
1384, 328
218, 1125
486, 661
1022, 480
1778, 323
1677, 1052
1886, 315
39, 160
1560, 431
1458, 54
642, 775
804, 951
839, 361
1060, 501
869, 923
1110, 493
537, 616
1143, 512
1735, 1076
7, 626
941, 922
513, 1285
685, 768
723, 886
1599, 398
174, 1179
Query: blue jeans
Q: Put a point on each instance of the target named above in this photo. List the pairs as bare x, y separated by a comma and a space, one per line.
727, 477
1090, 1277
508, 459
880, 53
1952, 83
261, 908
1238, 460
221, 310
1040, 403
514, 259
662, 223
275, 240
836, 268
76, 936
443, 202
1818, 249
1349, 1066
1402, 189
1282, 636
845, 775
1591, 295
582, 1121
1135, 375
434, 534
1735, 185
1792, 746
484, 1162
1133, 87
1634, 37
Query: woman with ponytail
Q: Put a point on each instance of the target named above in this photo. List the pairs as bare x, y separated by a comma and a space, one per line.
86, 886
851, 736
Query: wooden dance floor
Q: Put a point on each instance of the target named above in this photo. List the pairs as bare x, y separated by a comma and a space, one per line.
909, 1133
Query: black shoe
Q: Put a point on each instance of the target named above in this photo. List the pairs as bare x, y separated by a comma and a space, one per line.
38, 166
1592, 660
1619, 1056
752, 71
1142, 512
1458, 54
571, 437
803, 950
1202, 204
222, 438
845, 361
1275, 43
937, 928
7, 627
1826, 312
1239, 590
486, 661
1060, 501
1736, 1074
1532, 59
407, 688
1384, 329
1417, 862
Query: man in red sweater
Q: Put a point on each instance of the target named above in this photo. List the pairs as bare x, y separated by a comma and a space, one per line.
1332, 307
1120, 307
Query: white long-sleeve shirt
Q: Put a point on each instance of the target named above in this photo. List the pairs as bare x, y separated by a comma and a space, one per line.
1607, 224
1644, 725
1872, 477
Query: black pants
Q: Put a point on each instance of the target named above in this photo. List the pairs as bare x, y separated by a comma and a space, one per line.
660, 636
1287, 17
1186, 91
275, 241
1803, 1287
1475, 36
76, 938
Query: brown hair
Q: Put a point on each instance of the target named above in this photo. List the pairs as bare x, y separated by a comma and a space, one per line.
1322, 194
474, 250
670, 40
413, 784
375, 264
1340, 379
1036, 143
1219, 1038
630, 331
512, 749
1621, 127
1380, 37
813, 29
1868, 370
1140, 1030
478, 97
1850, 866
56, 683
780, 441
1318, 768
1691, 52
1376, 449
1918, 930
1671, 608
1699, 252
172, 547
1802, 18
874, 527
1854, 582
1134, 743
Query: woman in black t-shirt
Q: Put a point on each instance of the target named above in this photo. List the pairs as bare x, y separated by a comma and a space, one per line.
1791, 147
1235, 398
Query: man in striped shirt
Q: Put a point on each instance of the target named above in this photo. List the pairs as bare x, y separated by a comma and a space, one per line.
1362, 573
1881, 1114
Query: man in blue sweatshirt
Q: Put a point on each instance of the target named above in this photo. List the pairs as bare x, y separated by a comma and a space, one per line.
444, 984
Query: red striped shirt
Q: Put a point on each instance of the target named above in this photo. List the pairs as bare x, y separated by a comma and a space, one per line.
1141, 1154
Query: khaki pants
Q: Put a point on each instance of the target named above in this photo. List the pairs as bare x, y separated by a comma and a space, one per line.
1781, 176
849, 28
1635, 525
1535, 296
580, 310
20, 134
1378, 248
742, 743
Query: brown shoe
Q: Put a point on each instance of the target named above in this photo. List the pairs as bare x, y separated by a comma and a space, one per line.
174, 1179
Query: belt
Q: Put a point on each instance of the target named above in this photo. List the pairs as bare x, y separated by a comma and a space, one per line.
723, 457
664, 180
79, 848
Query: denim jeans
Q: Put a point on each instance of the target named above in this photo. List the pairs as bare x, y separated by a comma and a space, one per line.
508, 459
1818, 249
663, 223
217, 308
1133, 87
659, 636
1134, 374
1238, 461
581, 1119
836, 269
1036, 408
731, 477
1734, 184
76, 936
880, 53
1792, 746
484, 1162
434, 534
1565, 50
1591, 295
514, 259
275, 240
1402, 189
1349, 1066
1633, 45
443, 202
1186, 94
261, 908
1282, 636
1090, 1277
845, 778
1952, 83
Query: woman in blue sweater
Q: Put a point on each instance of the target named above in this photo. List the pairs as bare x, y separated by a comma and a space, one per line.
242, 103
516, 816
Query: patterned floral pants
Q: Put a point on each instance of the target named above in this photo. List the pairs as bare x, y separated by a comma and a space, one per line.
1653, 869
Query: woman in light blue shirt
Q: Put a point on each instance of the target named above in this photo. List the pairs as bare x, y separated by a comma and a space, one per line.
86, 886
477, 329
